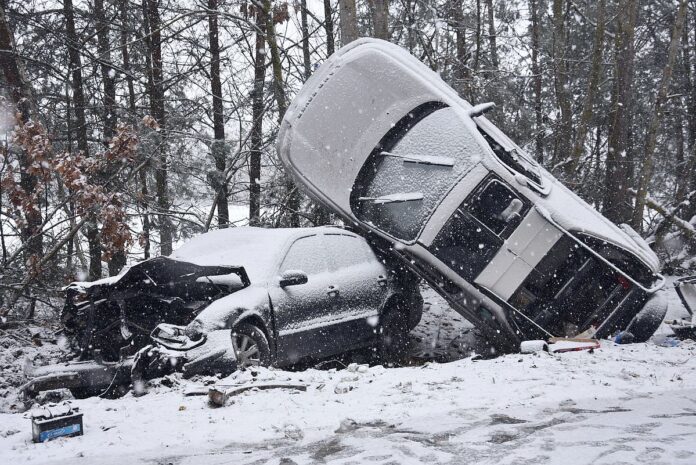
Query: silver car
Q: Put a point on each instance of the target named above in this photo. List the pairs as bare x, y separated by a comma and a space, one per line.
312, 292
255, 297
382, 141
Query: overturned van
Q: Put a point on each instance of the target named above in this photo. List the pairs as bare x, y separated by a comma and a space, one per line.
382, 141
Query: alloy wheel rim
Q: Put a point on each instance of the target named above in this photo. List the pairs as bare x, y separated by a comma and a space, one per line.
246, 350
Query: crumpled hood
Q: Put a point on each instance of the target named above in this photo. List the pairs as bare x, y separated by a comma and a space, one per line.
156, 271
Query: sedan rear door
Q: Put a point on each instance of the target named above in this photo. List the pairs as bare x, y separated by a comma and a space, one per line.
363, 284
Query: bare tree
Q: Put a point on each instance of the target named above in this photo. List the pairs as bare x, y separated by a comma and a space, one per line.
592, 88
646, 171
619, 169
22, 96
74, 46
560, 79
157, 109
349, 21
219, 147
256, 137
492, 35
537, 79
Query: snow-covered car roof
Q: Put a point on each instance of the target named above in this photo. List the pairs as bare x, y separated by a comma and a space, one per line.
363, 91
256, 249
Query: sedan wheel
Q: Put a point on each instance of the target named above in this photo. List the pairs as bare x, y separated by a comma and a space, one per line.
250, 346
246, 350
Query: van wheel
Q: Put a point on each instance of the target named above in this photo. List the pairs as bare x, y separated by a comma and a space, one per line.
250, 346
394, 337
646, 322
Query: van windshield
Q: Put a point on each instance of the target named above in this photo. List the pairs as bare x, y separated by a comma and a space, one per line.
417, 163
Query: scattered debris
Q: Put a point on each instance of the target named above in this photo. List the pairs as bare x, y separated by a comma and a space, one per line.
530, 347
54, 421
559, 345
219, 395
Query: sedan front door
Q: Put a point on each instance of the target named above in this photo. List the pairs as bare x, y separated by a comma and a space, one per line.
301, 309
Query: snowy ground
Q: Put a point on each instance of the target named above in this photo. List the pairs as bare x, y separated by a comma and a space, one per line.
620, 404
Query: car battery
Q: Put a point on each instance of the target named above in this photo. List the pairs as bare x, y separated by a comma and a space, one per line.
56, 421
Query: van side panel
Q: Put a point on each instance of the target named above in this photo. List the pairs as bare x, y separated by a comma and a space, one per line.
521, 252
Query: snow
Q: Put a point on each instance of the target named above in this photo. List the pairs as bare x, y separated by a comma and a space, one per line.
256, 249
619, 404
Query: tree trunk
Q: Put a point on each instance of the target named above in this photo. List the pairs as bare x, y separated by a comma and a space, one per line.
349, 21
588, 105
108, 74
293, 198
132, 110
617, 202
655, 120
329, 27
682, 169
93, 239
477, 54
564, 131
21, 95
158, 112
219, 147
257, 122
305, 40
461, 75
380, 18
536, 72
492, 34
690, 91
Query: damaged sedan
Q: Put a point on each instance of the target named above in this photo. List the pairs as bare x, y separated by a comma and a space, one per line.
427, 177
235, 298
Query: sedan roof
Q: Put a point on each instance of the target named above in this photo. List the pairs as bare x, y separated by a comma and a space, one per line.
255, 249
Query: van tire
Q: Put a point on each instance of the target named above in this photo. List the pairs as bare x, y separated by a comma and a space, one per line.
394, 336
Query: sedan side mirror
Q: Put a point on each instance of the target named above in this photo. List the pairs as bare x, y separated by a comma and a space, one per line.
293, 278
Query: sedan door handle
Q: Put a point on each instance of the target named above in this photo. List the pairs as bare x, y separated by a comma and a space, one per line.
333, 291
382, 280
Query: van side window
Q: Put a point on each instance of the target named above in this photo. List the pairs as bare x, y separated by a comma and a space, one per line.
464, 245
306, 254
476, 231
493, 206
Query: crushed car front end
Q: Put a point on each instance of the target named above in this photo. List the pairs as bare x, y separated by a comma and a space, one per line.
116, 315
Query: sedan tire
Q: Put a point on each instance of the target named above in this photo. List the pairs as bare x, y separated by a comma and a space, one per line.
250, 346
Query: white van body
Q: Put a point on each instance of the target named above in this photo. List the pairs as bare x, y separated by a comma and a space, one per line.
382, 141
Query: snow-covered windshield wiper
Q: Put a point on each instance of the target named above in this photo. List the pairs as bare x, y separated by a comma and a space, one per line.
422, 159
393, 198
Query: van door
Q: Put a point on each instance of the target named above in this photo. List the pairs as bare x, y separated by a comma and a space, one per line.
475, 233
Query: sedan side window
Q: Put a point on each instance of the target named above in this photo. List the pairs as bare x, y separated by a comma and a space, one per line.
306, 254
344, 250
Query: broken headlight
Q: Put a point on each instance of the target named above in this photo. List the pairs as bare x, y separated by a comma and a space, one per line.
194, 330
